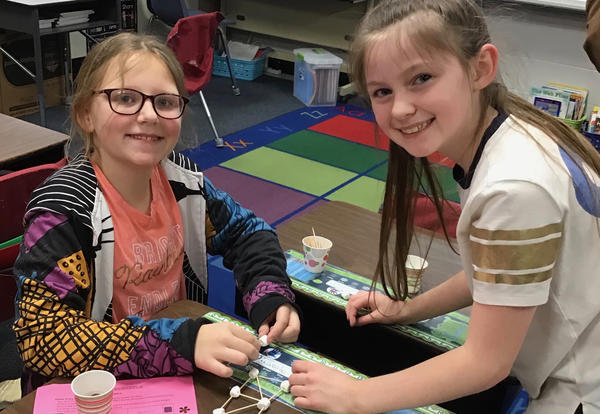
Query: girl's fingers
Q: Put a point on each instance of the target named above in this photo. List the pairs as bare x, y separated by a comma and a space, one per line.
290, 334
356, 302
219, 369
243, 334
297, 380
302, 402
366, 319
300, 366
263, 329
249, 349
282, 319
232, 356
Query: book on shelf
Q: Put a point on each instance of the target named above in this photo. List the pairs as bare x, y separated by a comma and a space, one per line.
560, 100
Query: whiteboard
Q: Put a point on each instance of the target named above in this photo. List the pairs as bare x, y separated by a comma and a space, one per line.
563, 4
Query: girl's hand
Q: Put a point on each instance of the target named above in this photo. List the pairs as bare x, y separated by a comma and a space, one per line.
379, 308
283, 325
219, 343
321, 388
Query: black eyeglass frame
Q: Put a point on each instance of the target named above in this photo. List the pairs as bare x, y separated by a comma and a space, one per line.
144, 97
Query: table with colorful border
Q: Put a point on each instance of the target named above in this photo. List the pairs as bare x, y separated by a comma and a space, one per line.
375, 349
212, 392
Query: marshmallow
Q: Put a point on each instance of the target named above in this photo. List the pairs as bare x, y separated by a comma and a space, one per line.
285, 386
253, 373
218, 411
263, 340
346, 295
263, 404
235, 392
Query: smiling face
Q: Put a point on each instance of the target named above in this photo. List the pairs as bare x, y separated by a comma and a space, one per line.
138, 141
424, 102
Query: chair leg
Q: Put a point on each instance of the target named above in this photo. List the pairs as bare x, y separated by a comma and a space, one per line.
234, 87
218, 140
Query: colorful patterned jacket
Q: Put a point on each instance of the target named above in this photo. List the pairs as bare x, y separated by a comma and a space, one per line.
64, 274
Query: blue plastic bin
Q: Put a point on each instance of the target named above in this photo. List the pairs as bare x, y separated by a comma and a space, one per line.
242, 69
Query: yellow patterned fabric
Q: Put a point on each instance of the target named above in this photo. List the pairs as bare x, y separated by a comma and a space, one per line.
56, 340
75, 266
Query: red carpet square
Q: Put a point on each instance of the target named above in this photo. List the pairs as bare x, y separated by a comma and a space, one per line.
363, 132
352, 129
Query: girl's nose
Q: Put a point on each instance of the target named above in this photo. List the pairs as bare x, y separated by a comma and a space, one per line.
147, 112
403, 107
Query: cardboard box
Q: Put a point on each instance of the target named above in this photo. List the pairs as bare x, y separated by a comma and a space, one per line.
18, 91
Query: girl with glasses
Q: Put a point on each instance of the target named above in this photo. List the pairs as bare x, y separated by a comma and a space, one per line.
123, 230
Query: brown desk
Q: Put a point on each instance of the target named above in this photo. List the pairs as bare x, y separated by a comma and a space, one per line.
355, 235
354, 232
23, 144
211, 391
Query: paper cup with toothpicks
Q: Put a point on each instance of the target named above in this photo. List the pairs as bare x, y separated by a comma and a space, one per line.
415, 266
316, 252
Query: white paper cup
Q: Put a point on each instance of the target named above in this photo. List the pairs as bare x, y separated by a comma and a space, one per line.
316, 252
415, 266
93, 391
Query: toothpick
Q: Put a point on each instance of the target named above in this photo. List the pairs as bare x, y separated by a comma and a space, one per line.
317, 244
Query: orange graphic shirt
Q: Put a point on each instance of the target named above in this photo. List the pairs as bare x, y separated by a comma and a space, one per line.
148, 258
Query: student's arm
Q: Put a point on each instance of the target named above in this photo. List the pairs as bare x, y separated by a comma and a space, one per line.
495, 336
55, 334
250, 248
451, 295
511, 223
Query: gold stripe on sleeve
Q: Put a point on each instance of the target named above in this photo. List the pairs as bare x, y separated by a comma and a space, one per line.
523, 234
513, 279
515, 256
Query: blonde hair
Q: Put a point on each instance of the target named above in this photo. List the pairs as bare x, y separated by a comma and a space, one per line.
457, 27
121, 46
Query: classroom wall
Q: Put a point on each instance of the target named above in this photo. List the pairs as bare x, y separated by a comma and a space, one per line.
539, 45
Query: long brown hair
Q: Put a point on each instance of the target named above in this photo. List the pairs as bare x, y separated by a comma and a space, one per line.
457, 27
121, 46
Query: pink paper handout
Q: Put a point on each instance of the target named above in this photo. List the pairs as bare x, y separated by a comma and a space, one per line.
136, 396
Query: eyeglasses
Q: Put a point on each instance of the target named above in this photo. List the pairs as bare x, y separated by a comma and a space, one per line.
130, 102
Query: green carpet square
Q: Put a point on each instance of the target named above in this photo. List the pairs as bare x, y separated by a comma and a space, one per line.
446, 179
289, 170
330, 150
379, 173
365, 192
443, 173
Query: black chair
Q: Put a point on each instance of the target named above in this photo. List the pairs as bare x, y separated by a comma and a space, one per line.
169, 12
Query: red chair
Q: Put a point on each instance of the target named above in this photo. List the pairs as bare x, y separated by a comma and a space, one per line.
15, 192
192, 41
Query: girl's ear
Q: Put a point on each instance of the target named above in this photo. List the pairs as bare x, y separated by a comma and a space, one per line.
84, 120
485, 66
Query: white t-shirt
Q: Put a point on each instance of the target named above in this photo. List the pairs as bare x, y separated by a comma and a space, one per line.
527, 237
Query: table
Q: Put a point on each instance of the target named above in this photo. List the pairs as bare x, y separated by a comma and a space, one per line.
23, 144
211, 391
23, 16
355, 235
